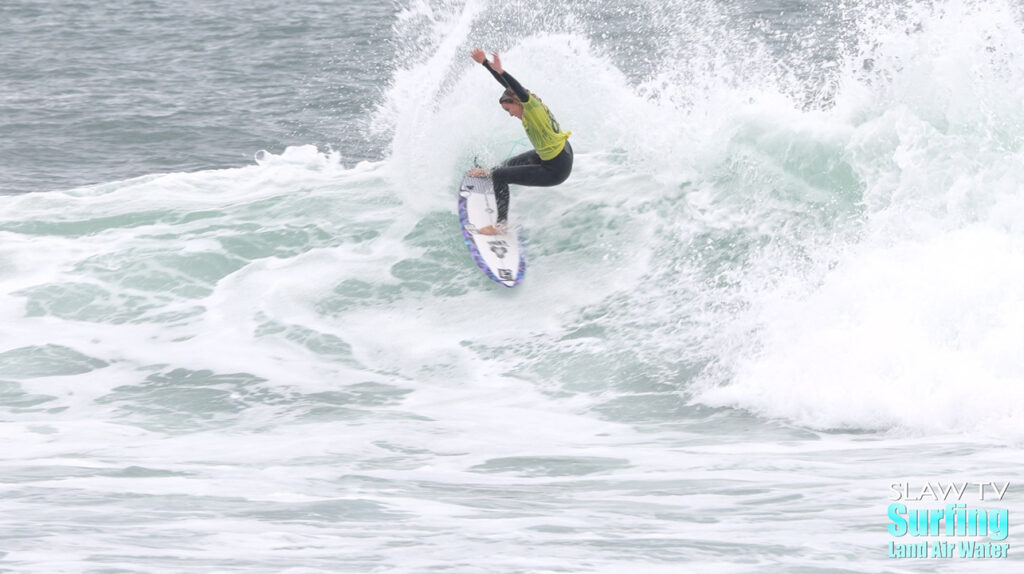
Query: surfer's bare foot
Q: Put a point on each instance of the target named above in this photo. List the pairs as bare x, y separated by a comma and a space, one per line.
479, 172
497, 229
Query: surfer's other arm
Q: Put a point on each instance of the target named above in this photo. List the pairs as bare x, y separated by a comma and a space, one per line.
499, 73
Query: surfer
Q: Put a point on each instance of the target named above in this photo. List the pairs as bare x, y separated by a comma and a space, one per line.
548, 164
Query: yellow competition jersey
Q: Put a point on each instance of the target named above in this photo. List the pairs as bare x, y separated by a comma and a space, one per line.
542, 129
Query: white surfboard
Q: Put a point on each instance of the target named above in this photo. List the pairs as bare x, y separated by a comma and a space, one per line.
501, 257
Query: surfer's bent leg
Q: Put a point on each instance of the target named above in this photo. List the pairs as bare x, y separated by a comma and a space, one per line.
529, 169
510, 172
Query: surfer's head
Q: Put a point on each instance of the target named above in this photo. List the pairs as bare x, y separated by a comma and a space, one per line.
511, 104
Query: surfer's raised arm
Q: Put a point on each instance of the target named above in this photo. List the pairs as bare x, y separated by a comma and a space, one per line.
499, 73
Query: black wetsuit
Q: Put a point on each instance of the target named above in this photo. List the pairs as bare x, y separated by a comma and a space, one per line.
526, 168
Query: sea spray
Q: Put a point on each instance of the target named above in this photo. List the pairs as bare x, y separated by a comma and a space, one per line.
904, 320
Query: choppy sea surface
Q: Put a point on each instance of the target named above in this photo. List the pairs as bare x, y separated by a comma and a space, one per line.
782, 291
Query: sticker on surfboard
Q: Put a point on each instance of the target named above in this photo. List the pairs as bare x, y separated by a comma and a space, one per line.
500, 257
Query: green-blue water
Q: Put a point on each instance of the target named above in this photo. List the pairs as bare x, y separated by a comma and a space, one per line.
240, 330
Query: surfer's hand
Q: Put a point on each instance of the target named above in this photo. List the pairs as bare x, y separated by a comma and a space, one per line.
496, 63
478, 56
479, 172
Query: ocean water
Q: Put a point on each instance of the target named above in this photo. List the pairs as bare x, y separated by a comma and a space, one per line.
241, 332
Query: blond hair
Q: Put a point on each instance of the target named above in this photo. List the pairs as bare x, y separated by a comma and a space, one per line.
509, 97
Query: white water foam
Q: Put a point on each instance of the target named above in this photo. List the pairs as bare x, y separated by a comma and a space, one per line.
296, 366
912, 323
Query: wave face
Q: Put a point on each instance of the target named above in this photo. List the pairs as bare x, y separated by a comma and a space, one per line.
790, 247
811, 219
